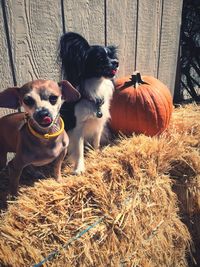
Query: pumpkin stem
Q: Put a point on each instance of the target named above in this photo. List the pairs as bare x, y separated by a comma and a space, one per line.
136, 79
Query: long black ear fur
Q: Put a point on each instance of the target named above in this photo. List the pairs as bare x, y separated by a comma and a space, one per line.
73, 50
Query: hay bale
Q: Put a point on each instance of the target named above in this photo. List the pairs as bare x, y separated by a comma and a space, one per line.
129, 186
185, 167
141, 224
185, 170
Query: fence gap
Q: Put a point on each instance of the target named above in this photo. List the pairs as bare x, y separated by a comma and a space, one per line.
136, 36
105, 22
160, 38
63, 16
10, 54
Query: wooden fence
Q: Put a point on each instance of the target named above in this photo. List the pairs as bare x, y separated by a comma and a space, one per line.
145, 31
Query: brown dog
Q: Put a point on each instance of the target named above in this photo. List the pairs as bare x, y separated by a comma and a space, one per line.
37, 135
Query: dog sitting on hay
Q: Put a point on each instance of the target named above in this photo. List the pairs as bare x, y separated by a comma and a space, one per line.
88, 68
37, 136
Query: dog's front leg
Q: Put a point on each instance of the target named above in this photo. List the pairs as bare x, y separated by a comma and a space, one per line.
79, 157
97, 138
77, 149
57, 165
15, 167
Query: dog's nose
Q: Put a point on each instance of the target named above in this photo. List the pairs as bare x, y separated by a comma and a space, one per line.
115, 64
43, 113
43, 117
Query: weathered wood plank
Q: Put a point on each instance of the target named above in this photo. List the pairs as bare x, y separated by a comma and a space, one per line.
86, 18
5, 71
121, 31
145, 33
148, 36
35, 27
169, 46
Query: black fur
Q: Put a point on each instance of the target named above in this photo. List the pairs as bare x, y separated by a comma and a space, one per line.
80, 61
73, 51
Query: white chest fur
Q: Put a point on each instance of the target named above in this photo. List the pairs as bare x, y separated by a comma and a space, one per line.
89, 127
86, 109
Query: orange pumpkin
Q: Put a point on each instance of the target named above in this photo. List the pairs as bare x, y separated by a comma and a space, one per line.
140, 105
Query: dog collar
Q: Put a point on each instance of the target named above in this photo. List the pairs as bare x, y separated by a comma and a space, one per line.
47, 136
98, 102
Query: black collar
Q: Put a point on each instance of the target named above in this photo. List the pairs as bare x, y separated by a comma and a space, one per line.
98, 102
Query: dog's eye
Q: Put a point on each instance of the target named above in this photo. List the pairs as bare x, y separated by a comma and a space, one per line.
53, 99
29, 101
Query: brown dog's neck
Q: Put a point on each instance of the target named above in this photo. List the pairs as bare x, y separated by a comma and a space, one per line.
36, 130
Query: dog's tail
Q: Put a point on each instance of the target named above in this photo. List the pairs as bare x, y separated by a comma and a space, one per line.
73, 49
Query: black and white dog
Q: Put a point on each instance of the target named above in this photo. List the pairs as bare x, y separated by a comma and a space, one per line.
91, 70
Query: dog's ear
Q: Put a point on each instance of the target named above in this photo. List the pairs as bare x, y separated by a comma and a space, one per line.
69, 93
113, 50
10, 98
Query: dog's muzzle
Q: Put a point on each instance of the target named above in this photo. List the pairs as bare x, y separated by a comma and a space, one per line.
43, 117
112, 70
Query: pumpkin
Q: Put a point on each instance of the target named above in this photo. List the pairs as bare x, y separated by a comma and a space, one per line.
141, 105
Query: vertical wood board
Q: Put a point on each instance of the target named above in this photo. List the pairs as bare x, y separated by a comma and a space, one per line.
35, 27
86, 17
121, 19
169, 46
5, 71
148, 36
146, 33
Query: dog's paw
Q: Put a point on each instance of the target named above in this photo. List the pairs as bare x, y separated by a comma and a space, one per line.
59, 180
78, 171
